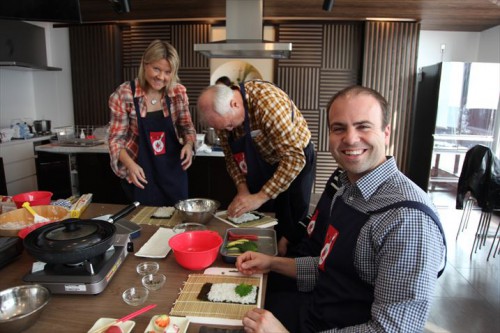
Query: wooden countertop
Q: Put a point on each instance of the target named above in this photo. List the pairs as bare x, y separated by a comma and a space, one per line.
77, 313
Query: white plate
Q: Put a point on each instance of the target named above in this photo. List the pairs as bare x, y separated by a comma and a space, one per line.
157, 245
125, 326
182, 322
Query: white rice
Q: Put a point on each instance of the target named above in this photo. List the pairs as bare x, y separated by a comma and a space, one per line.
164, 212
247, 217
13, 225
224, 292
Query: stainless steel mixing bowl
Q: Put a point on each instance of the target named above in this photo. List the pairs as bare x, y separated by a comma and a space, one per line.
198, 210
21, 306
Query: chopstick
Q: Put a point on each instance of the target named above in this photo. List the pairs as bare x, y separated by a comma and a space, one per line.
127, 317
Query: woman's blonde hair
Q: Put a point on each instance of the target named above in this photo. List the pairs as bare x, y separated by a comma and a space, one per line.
158, 50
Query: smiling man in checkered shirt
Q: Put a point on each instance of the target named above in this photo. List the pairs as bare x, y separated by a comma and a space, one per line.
383, 243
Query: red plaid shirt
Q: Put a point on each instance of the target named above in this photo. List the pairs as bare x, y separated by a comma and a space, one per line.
123, 130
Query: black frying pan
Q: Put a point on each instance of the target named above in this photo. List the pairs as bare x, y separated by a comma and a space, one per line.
73, 240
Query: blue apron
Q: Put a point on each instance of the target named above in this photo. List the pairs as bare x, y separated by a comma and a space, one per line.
316, 228
257, 170
290, 206
159, 156
349, 299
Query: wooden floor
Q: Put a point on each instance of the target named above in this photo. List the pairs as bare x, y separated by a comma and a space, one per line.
467, 297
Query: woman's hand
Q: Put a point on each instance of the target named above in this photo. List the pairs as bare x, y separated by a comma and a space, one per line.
136, 175
186, 156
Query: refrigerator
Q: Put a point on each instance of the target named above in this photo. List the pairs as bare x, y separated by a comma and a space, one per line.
456, 108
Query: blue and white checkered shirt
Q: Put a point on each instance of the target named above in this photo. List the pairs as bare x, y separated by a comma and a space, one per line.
399, 251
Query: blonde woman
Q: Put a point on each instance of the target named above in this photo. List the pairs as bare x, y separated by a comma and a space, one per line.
151, 135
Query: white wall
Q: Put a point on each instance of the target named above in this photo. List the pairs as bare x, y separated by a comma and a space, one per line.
34, 94
459, 46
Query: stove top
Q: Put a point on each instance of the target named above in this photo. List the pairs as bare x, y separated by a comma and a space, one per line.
88, 277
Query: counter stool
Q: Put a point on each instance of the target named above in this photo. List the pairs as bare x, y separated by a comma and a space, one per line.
496, 238
469, 204
482, 233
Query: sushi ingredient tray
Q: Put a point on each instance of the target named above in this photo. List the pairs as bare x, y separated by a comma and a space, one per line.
255, 239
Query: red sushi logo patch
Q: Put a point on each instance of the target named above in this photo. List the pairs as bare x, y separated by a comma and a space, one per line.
241, 162
312, 223
157, 140
331, 237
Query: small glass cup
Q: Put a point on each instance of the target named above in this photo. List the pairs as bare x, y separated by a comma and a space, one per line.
153, 281
188, 226
135, 296
147, 267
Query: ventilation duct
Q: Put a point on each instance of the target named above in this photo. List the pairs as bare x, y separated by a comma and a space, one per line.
22, 46
244, 32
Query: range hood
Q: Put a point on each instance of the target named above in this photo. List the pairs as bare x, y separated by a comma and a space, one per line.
244, 33
22, 46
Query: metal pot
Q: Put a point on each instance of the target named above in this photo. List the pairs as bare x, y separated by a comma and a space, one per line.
72, 241
211, 137
41, 126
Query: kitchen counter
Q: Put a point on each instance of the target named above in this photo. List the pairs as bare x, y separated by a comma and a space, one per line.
18, 141
77, 313
57, 149
203, 150
67, 171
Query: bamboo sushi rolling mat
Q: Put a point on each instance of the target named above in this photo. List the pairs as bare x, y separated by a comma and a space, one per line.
143, 216
188, 304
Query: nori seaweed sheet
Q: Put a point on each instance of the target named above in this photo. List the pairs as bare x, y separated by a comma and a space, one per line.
205, 289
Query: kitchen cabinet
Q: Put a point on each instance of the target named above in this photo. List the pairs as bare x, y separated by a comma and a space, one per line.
54, 174
19, 166
208, 178
95, 176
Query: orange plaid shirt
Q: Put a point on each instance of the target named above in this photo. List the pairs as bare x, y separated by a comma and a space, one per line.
280, 140
123, 130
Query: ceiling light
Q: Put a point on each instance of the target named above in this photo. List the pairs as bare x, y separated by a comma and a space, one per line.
327, 5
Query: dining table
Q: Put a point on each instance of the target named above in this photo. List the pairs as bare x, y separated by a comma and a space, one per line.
78, 313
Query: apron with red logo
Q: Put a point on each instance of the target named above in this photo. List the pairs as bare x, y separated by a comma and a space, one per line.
159, 156
256, 170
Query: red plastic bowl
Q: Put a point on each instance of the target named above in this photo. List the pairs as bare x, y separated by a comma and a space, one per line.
196, 250
35, 198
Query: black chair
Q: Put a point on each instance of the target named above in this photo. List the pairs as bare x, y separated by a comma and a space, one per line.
479, 183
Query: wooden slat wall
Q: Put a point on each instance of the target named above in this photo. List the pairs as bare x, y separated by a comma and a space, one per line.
325, 58
389, 66
95, 68
194, 71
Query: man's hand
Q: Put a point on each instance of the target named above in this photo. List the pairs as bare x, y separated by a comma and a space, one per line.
246, 202
250, 263
262, 321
